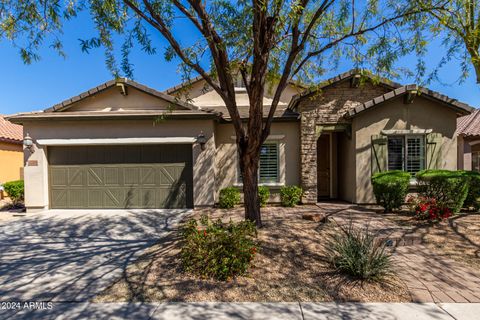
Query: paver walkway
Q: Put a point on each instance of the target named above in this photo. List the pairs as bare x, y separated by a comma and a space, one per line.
428, 276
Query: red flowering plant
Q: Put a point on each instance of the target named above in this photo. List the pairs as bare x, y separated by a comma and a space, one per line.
214, 249
427, 208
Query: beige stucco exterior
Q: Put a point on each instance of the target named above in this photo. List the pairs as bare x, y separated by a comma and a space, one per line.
36, 183
396, 115
216, 165
286, 134
11, 161
112, 100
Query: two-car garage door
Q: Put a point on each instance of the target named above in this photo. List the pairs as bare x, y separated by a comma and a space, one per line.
119, 177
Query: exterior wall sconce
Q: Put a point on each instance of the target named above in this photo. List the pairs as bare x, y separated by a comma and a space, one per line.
201, 140
28, 143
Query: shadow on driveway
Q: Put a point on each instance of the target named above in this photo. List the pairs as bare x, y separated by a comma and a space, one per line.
74, 255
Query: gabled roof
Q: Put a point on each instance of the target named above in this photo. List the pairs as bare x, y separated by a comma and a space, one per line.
182, 109
196, 79
460, 107
469, 125
340, 78
112, 83
10, 132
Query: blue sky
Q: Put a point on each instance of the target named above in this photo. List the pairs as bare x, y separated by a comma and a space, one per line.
53, 78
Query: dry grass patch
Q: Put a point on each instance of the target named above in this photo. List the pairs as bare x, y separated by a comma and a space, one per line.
290, 266
457, 238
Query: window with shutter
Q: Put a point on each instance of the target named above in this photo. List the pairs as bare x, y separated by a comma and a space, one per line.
395, 152
268, 171
406, 153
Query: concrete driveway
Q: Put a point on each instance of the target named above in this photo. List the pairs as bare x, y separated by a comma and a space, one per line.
73, 255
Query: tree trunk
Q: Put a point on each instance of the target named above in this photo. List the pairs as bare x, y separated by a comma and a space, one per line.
249, 169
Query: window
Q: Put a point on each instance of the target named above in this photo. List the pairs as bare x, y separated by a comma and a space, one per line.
476, 161
406, 153
268, 171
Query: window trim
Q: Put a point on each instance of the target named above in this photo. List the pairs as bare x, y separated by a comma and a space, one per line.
405, 137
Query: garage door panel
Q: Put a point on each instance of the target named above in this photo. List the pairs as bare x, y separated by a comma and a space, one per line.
59, 177
95, 198
148, 198
113, 198
95, 177
113, 177
58, 198
77, 198
148, 176
76, 177
121, 185
131, 176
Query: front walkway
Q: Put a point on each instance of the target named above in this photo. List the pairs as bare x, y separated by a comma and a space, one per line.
428, 276
250, 311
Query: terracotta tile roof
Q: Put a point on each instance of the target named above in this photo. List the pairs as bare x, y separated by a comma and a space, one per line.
469, 125
10, 132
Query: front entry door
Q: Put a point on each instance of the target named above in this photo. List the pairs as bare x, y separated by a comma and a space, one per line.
323, 166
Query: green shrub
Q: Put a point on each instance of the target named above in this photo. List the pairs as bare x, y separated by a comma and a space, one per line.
229, 198
218, 250
390, 188
448, 188
290, 196
15, 191
359, 253
263, 195
473, 195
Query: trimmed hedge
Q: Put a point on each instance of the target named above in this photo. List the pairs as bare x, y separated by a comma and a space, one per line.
290, 196
15, 191
390, 188
229, 198
263, 195
448, 188
473, 195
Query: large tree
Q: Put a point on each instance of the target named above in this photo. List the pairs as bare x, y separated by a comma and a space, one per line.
458, 23
265, 41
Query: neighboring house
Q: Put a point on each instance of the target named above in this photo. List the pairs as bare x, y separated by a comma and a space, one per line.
11, 151
104, 149
468, 130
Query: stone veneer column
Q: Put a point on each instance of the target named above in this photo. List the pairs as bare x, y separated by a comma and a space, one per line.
308, 157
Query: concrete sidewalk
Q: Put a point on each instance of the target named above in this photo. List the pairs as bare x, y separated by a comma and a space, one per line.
248, 311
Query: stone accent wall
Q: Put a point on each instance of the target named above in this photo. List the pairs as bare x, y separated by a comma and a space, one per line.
326, 108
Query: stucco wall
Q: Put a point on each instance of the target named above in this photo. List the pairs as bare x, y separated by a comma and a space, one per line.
112, 99
11, 161
395, 115
285, 133
36, 177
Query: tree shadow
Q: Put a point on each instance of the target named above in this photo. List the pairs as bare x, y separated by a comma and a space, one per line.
58, 256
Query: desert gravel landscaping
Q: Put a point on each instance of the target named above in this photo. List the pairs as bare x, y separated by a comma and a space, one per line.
290, 266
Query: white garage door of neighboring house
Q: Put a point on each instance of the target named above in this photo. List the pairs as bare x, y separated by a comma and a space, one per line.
119, 177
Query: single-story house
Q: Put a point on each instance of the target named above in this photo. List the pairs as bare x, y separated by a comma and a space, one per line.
11, 151
124, 145
468, 131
